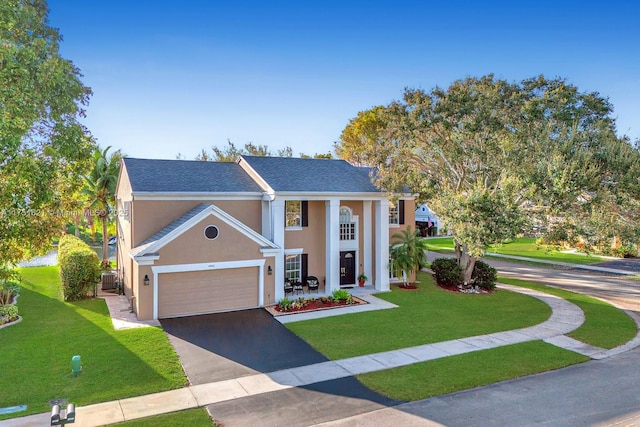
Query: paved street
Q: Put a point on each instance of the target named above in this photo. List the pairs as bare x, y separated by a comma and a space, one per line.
620, 291
596, 393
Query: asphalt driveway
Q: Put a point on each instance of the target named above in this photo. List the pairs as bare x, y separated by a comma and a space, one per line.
222, 346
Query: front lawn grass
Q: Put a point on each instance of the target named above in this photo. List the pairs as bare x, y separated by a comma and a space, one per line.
605, 326
522, 246
466, 371
427, 315
37, 352
197, 417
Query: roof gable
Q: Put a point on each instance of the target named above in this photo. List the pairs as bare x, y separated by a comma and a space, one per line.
188, 176
187, 221
290, 174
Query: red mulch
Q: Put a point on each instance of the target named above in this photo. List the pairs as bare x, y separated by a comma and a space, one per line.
314, 305
408, 286
450, 288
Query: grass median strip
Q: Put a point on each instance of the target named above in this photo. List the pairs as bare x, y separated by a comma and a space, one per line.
426, 315
605, 326
190, 417
470, 370
38, 350
522, 247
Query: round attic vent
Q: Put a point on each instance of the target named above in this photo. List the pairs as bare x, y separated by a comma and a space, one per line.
211, 232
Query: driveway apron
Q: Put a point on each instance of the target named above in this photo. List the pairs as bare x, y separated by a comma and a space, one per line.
222, 346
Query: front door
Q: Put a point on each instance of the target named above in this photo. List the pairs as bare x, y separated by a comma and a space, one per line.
347, 268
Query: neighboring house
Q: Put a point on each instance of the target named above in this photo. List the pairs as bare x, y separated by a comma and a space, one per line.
427, 221
200, 237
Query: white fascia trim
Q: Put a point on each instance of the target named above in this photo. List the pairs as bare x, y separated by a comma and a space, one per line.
270, 252
296, 195
152, 195
255, 175
182, 268
294, 251
145, 259
220, 214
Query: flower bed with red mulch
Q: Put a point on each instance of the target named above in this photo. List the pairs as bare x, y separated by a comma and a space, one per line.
305, 305
408, 286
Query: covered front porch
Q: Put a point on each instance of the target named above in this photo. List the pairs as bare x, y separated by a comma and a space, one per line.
340, 240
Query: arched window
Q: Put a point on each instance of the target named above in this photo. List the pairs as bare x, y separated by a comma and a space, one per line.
345, 215
347, 226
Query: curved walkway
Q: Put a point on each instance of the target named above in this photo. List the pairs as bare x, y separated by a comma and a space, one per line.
565, 318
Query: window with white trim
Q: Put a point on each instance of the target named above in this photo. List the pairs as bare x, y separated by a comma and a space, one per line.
392, 270
293, 267
347, 226
293, 213
394, 214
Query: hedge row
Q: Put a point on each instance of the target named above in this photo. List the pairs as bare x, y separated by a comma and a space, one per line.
79, 268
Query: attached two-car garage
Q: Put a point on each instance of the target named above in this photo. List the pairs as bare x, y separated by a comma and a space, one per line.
187, 269
199, 292
191, 289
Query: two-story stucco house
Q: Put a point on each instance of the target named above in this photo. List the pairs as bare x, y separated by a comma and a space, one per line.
201, 237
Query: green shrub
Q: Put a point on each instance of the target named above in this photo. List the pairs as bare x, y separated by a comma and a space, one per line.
625, 252
79, 268
285, 304
341, 295
447, 272
484, 276
8, 313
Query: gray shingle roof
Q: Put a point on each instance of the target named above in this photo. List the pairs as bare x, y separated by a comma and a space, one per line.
311, 175
188, 176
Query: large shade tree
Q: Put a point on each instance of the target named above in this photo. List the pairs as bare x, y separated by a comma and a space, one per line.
43, 147
491, 157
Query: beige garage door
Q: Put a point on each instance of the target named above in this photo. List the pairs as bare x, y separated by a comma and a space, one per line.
198, 292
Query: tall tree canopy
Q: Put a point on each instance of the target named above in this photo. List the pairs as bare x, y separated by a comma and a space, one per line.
43, 147
491, 156
231, 153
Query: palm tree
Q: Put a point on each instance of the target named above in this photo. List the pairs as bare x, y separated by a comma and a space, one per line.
100, 188
407, 252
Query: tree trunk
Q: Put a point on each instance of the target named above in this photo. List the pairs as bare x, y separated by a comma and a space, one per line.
76, 225
105, 241
458, 252
466, 262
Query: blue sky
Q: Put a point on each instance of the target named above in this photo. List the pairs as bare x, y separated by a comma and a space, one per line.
179, 76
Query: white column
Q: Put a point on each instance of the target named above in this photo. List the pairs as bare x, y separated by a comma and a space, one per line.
332, 237
382, 245
367, 240
277, 227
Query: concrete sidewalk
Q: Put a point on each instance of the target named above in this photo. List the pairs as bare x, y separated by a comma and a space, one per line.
565, 318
